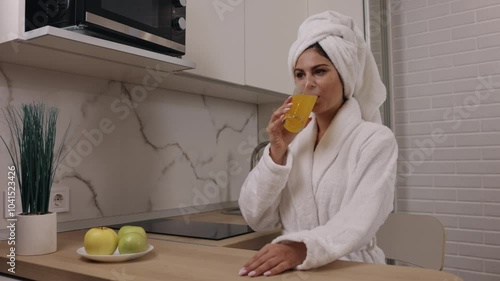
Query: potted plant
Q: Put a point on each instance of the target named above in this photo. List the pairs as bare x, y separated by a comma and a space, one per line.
35, 158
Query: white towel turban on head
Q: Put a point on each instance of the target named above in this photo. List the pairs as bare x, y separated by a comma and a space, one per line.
339, 36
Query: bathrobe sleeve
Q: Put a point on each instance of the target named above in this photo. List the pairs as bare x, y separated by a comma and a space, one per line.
365, 205
261, 192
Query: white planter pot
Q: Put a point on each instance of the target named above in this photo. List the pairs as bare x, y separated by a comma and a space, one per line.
36, 234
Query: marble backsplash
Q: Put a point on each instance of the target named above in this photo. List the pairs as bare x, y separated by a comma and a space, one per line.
163, 151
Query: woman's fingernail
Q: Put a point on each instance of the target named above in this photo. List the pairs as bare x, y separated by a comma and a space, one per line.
289, 104
267, 273
287, 109
242, 271
252, 273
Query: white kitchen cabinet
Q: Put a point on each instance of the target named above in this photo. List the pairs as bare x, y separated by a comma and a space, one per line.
352, 8
215, 39
69, 52
270, 29
10, 28
240, 48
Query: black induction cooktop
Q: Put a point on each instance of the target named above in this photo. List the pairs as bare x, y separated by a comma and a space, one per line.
194, 229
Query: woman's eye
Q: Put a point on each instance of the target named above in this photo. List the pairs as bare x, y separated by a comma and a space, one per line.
299, 74
320, 71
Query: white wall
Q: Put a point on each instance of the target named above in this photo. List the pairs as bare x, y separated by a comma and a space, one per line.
447, 113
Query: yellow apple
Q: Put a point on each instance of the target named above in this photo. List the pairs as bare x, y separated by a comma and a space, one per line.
132, 242
130, 228
100, 241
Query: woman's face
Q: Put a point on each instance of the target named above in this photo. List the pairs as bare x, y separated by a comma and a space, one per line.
315, 74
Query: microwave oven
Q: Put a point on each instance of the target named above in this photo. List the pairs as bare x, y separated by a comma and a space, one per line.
156, 25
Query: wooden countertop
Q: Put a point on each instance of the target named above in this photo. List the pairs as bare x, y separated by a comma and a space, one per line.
182, 261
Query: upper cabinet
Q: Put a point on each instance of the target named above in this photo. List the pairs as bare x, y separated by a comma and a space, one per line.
246, 42
10, 26
215, 39
270, 29
240, 48
352, 8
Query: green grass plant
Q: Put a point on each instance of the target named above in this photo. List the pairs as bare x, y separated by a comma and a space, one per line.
33, 132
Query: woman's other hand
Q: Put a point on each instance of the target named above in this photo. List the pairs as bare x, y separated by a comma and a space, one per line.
273, 259
279, 137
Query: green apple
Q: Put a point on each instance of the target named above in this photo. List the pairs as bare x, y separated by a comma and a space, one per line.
132, 242
100, 241
130, 228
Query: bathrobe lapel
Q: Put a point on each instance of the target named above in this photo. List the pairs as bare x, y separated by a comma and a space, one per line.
299, 181
310, 165
344, 123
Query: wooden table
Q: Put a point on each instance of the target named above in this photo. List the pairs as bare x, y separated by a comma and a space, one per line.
182, 261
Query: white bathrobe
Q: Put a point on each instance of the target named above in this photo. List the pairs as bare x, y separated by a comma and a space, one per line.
333, 198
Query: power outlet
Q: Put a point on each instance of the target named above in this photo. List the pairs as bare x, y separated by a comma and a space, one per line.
59, 199
59, 202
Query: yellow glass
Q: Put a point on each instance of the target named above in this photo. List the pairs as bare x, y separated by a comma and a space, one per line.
296, 117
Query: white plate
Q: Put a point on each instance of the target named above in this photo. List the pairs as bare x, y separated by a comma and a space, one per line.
115, 257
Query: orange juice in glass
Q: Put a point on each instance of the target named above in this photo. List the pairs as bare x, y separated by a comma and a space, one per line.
296, 117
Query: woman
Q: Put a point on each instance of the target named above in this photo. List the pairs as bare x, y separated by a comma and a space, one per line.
330, 186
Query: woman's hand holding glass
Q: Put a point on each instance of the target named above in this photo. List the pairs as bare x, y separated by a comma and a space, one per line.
281, 131
279, 137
